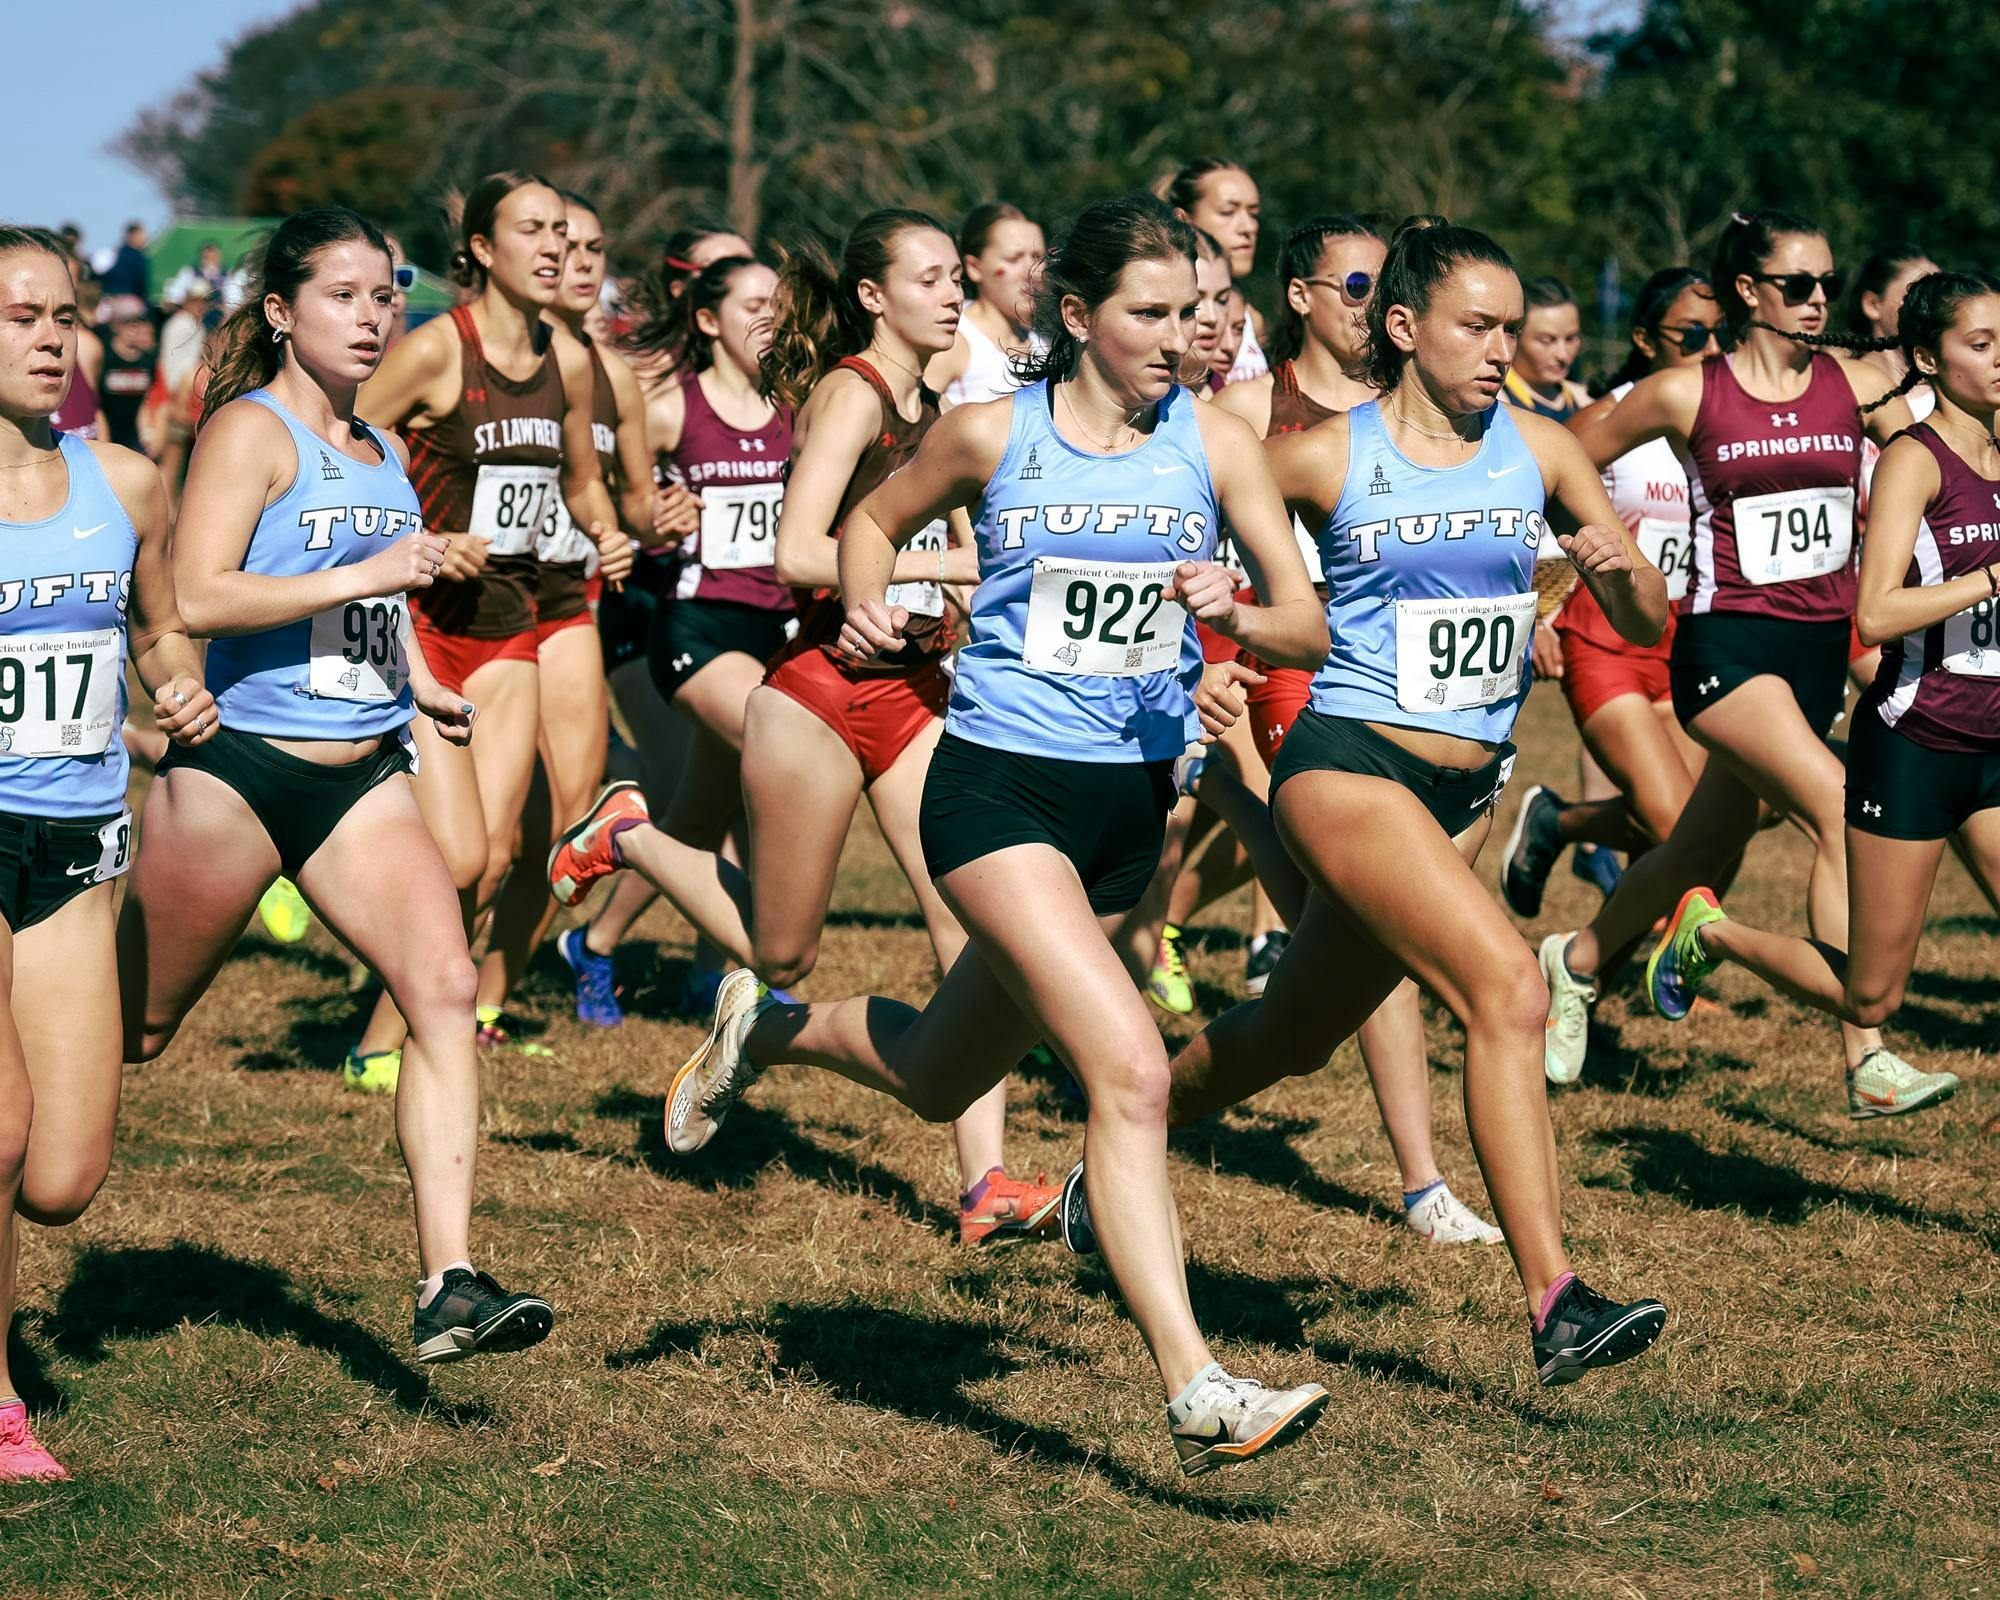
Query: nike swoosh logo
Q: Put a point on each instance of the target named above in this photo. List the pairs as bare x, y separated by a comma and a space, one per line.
1161, 472
85, 533
1516, 467
81, 872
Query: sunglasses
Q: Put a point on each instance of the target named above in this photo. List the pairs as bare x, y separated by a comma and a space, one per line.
1692, 337
1797, 287
406, 278
1356, 286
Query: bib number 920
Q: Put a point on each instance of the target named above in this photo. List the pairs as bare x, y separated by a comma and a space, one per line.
1472, 647
1455, 655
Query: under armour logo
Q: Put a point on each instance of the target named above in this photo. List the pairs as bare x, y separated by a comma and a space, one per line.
1380, 484
1709, 683
326, 467
1784, 419
750, 444
1871, 808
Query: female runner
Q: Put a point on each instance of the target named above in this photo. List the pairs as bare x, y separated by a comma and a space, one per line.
570, 678
299, 540
722, 614
1923, 760
88, 587
496, 410
1220, 198
1773, 438
1099, 488
1617, 691
1430, 503
824, 729
1002, 249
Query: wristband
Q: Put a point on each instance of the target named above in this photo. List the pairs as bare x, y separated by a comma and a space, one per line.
1992, 582
940, 555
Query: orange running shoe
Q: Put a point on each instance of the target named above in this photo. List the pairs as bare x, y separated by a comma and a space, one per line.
588, 851
1000, 1204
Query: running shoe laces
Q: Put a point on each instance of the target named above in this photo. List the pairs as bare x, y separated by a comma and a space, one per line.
1885, 1085
1168, 984
1583, 1330
1567, 1038
1229, 1419
1679, 963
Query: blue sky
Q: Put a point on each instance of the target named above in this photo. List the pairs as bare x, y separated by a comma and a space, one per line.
122, 55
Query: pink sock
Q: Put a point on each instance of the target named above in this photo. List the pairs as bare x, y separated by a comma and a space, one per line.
617, 828
1549, 1299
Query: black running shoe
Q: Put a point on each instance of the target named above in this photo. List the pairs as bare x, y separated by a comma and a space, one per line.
1263, 961
1074, 1212
472, 1315
1585, 1330
1532, 851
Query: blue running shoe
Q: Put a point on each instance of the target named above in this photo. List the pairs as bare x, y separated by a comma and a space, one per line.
596, 995
1596, 865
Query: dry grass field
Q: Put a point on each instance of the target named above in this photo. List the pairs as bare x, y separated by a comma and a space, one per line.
775, 1372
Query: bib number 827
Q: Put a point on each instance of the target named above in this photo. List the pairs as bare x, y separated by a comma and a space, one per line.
16, 689
1082, 605
1468, 647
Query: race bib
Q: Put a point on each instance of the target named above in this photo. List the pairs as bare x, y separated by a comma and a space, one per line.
563, 543
1104, 619
1669, 545
114, 849
739, 526
922, 599
511, 507
59, 693
1972, 641
357, 651
1802, 533
1455, 655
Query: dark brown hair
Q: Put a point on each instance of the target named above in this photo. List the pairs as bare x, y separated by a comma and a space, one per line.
1100, 244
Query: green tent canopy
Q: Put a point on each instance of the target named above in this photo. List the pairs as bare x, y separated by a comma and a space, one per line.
179, 245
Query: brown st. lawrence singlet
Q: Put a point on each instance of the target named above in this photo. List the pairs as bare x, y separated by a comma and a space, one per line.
567, 552
490, 467
928, 633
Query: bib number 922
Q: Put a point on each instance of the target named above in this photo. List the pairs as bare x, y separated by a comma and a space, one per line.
1103, 619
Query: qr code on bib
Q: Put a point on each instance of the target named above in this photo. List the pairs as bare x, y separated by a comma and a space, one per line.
1133, 658
72, 733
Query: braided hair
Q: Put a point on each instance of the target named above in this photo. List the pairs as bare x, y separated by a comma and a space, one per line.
1929, 309
1650, 304
1297, 257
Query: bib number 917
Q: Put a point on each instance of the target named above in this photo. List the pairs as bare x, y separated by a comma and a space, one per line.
59, 693
1454, 655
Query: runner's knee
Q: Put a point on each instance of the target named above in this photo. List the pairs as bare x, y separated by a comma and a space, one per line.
782, 967
56, 1198
1870, 1005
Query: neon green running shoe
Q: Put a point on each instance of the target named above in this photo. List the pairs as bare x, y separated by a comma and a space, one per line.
285, 912
492, 1034
1167, 986
372, 1074
1678, 962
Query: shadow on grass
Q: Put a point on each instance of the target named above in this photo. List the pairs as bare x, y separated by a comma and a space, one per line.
919, 1368
1652, 1074
314, 963
871, 921
1987, 926
1940, 1030
134, 1293
1668, 1162
1955, 988
649, 980
31, 1378
1756, 1116
1257, 1145
759, 1138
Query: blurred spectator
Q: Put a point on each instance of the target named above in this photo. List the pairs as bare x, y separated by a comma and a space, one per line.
185, 331
130, 273
128, 370
209, 265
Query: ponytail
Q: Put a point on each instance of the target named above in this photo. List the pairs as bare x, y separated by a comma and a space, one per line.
1929, 309
1748, 240
1100, 243
817, 318
246, 352
668, 330
1423, 255
471, 215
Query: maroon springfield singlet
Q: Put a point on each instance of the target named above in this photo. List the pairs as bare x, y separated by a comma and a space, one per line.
1941, 687
1772, 485
927, 634
1292, 409
490, 467
740, 477
565, 552
78, 412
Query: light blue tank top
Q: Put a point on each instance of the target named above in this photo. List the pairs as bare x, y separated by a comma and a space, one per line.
343, 674
1075, 651
1427, 575
65, 585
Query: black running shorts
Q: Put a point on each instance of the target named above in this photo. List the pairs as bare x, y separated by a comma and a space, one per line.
1717, 652
1109, 818
1456, 796
46, 862
1899, 789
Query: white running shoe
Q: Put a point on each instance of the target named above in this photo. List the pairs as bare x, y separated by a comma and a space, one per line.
1570, 999
1885, 1085
1443, 1218
1232, 1419
716, 1075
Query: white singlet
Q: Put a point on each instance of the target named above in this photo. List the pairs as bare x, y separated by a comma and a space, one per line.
988, 373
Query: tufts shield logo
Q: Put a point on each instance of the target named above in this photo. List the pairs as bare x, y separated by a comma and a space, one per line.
1033, 469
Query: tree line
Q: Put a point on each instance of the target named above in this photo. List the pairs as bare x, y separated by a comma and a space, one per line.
1596, 158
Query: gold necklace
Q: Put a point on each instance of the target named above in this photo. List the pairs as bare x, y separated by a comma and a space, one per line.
1404, 418
915, 372
39, 461
1130, 425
